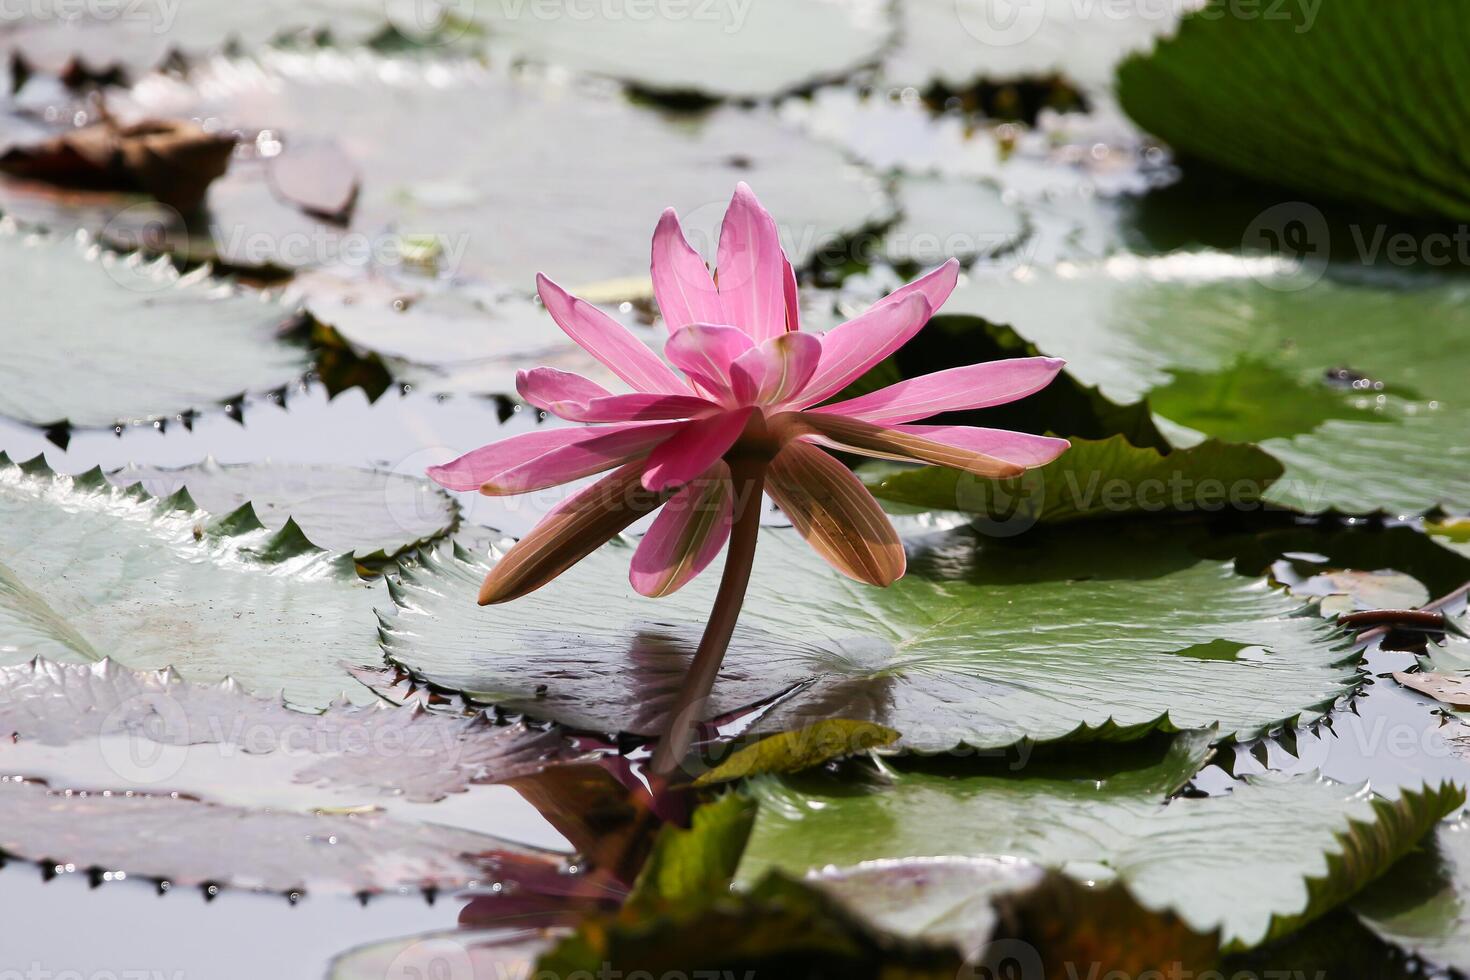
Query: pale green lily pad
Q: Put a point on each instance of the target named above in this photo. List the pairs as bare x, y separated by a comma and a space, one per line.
339, 508
1366, 415
454, 196
91, 571
949, 217
960, 41
104, 727
715, 50
186, 842
1423, 905
461, 336
983, 642
137, 35
1256, 863
94, 338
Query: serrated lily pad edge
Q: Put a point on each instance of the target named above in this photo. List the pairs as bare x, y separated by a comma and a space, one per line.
295, 325
1109, 730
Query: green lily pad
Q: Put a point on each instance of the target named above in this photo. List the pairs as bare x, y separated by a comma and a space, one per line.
1256, 863
1251, 94
1367, 416
1423, 905
452, 199
967, 648
338, 508
94, 339
700, 49
1095, 478
91, 571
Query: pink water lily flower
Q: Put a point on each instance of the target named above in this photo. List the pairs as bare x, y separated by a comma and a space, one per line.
739, 412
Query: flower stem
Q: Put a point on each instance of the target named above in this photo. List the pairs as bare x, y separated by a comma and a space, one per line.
748, 474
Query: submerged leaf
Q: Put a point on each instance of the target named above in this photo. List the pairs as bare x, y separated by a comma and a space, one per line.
822, 741
92, 571
687, 867
966, 649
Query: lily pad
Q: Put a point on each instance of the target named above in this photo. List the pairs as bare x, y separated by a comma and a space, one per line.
453, 198
1095, 478
1423, 905
1252, 94
461, 336
947, 217
1002, 913
94, 338
91, 571
965, 649
133, 36
104, 727
1257, 863
699, 49
186, 842
1365, 415
338, 508
960, 41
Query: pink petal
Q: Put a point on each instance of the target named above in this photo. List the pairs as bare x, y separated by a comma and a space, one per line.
548, 457
578, 526
973, 386
693, 449
777, 370
544, 386
850, 348
793, 306
638, 407
866, 439
607, 340
749, 268
704, 351
686, 536
836, 514
1013, 447
682, 285
934, 285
